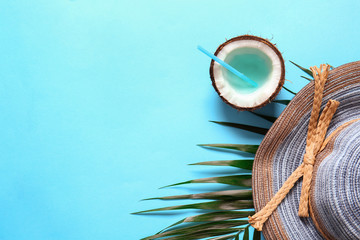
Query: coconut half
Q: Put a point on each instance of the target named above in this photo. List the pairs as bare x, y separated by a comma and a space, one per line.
256, 58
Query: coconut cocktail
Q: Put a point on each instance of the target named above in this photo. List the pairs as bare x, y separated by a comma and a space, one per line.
259, 60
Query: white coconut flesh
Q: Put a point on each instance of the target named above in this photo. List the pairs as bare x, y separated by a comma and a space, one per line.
257, 61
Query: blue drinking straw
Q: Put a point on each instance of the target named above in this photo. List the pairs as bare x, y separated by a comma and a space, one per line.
228, 67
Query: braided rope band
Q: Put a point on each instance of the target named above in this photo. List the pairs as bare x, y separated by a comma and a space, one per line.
314, 143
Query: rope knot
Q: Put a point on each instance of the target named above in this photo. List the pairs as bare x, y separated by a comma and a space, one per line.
309, 159
314, 144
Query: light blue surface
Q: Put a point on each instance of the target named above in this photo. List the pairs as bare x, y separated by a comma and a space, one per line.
103, 101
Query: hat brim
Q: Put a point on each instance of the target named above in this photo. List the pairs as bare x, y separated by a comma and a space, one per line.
282, 150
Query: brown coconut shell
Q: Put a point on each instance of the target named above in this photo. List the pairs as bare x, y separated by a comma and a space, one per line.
282, 77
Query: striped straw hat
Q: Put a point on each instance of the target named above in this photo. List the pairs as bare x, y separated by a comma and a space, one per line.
306, 175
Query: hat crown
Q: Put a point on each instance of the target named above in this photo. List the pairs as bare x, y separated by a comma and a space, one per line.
336, 192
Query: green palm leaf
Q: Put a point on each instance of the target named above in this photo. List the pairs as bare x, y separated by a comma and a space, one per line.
268, 118
289, 90
226, 237
205, 234
213, 205
246, 234
245, 127
213, 216
244, 163
306, 78
220, 195
238, 147
243, 180
222, 219
307, 71
218, 216
199, 228
257, 235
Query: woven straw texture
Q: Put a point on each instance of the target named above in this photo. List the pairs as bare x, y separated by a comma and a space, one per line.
282, 150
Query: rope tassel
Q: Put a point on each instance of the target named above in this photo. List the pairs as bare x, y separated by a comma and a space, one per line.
314, 144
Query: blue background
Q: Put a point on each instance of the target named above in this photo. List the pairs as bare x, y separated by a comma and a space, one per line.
104, 101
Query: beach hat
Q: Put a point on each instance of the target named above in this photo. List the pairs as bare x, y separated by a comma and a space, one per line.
306, 174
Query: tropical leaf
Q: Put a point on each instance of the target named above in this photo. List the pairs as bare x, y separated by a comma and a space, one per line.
213, 205
218, 216
289, 90
307, 78
238, 147
245, 127
246, 234
223, 217
244, 163
243, 180
238, 234
268, 118
226, 237
257, 235
285, 102
213, 216
204, 234
307, 71
200, 228
220, 195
